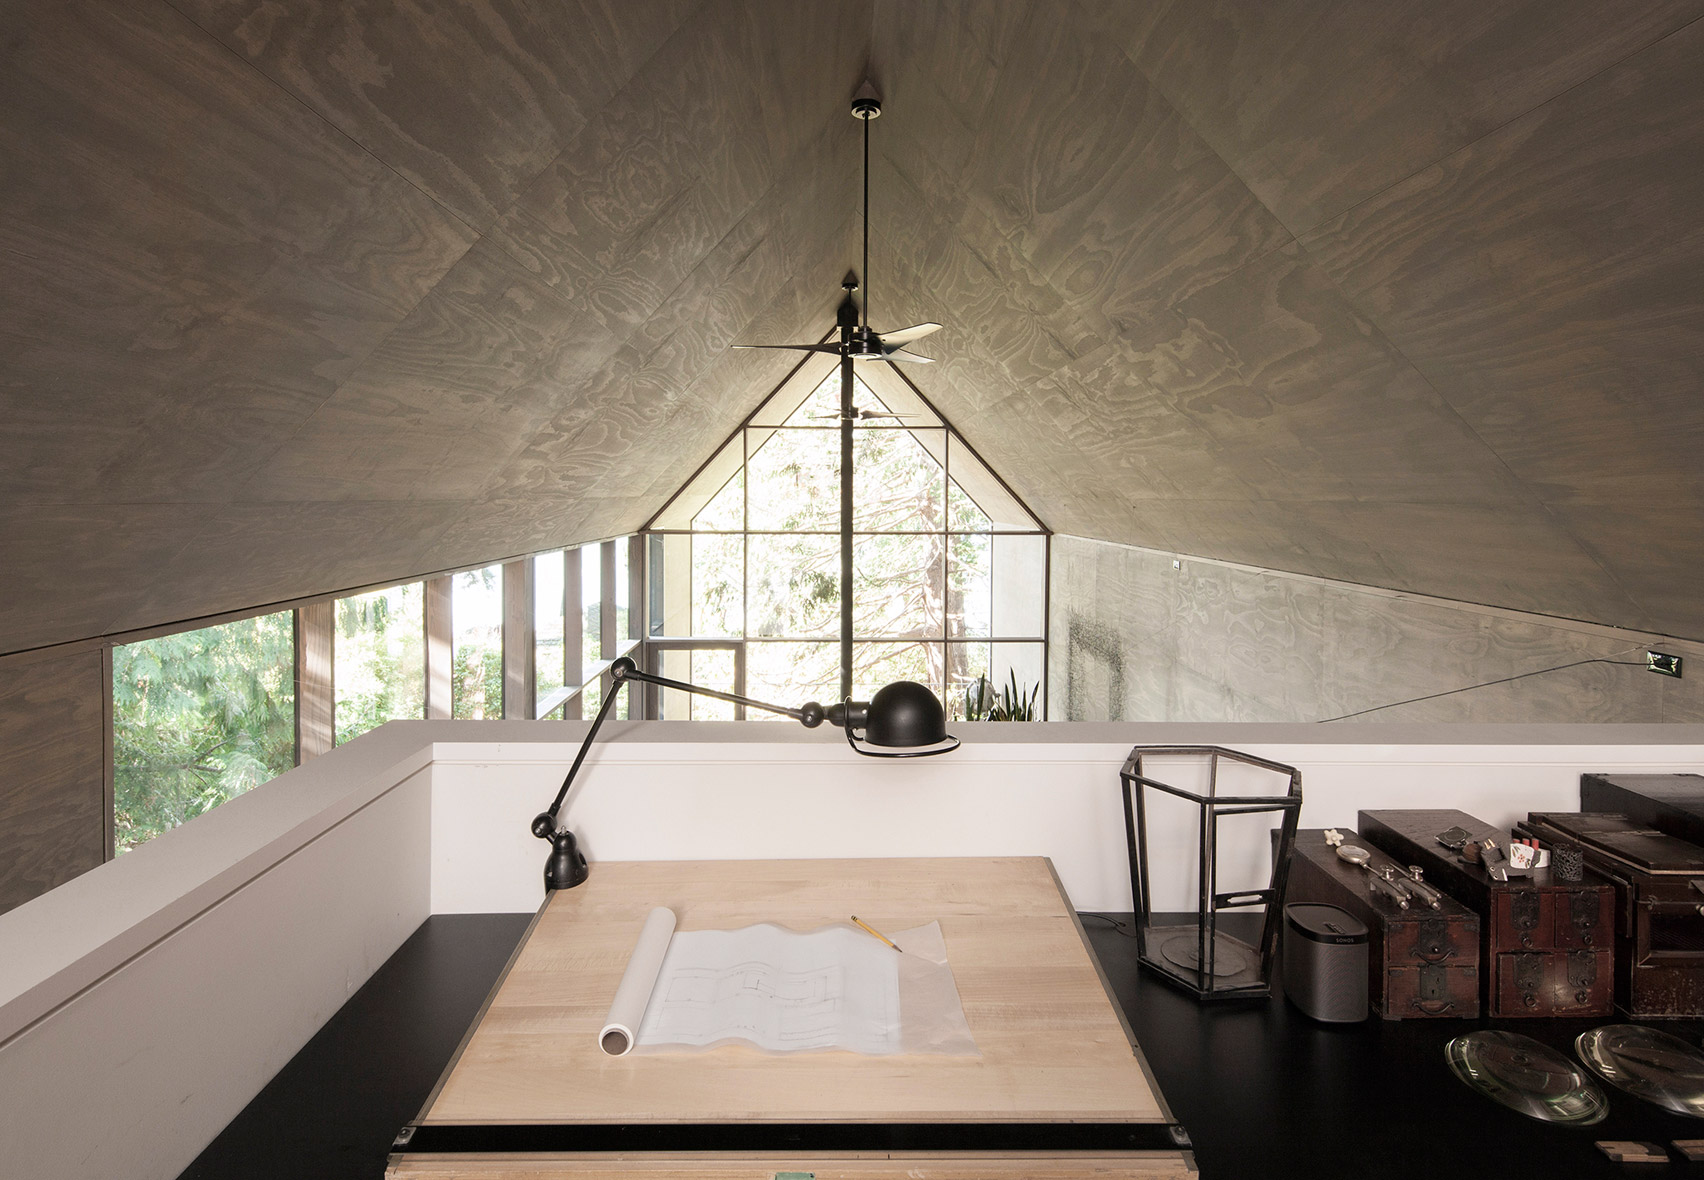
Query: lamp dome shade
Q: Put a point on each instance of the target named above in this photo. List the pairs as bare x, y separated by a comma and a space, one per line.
905, 714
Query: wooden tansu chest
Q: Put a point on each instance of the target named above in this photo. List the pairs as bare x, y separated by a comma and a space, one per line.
1547, 946
1659, 918
1422, 961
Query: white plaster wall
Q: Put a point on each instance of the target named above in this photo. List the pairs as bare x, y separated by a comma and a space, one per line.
706, 791
143, 1004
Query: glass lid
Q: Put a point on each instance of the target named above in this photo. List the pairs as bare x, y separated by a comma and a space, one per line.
1527, 1076
1648, 1064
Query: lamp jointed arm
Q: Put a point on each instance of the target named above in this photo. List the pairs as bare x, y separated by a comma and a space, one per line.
624, 669
903, 720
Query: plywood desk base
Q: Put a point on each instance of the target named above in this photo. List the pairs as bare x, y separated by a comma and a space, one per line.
1059, 1090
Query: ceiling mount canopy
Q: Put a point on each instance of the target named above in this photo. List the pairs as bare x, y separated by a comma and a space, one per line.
857, 340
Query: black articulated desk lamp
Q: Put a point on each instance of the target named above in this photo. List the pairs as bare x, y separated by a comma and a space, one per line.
903, 720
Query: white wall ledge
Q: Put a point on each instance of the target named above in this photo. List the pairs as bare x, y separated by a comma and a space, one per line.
154, 996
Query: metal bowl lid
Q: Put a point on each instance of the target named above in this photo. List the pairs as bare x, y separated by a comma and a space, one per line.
1526, 1076
1656, 1066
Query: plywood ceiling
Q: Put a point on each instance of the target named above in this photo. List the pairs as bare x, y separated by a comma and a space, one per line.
298, 297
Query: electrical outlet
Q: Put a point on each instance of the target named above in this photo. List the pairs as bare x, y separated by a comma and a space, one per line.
1656, 661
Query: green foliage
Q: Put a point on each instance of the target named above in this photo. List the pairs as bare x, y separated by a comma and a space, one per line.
476, 659
982, 703
379, 659
199, 718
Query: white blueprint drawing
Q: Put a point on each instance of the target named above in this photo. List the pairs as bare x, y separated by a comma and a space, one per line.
835, 988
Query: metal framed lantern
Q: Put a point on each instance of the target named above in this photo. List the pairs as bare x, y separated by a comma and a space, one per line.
1227, 801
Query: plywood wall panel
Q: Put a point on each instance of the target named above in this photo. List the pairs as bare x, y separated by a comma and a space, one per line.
52, 751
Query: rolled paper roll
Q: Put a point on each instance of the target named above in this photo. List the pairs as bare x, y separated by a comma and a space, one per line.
633, 993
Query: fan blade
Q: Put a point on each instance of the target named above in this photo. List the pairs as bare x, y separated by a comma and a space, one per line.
832, 349
892, 340
916, 358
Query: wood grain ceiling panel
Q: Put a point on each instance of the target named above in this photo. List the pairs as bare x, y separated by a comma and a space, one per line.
259, 553
656, 413
1102, 185
1274, 365
469, 100
646, 189
1318, 106
1545, 279
247, 325
449, 396
155, 278
78, 566
1545, 282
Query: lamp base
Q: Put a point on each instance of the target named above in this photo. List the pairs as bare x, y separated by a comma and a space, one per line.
566, 866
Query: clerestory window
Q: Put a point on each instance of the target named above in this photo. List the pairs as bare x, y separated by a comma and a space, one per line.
949, 567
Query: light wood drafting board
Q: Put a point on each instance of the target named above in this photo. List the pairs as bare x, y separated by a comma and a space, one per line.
1059, 1089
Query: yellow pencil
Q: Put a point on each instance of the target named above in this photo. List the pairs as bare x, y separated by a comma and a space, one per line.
876, 932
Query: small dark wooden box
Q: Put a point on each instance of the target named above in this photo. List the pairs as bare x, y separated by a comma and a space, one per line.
1659, 935
1421, 961
1547, 946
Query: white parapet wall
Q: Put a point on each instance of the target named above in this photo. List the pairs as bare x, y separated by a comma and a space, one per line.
718, 790
145, 1003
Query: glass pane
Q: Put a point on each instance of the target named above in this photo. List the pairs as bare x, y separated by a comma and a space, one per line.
987, 493
898, 485
1020, 584
550, 668
591, 606
379, 659
963, 516
822, 407
794, 585
1019, 664
966, 698
726, 509
199, 718
623, 591
794, 479
876, 665
894, 394
713, 668
1013, 672
791, 674
815, 389
897, 585
970, 593
476, 655
718, 585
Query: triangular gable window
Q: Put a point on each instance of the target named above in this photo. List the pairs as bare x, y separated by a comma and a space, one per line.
949, 566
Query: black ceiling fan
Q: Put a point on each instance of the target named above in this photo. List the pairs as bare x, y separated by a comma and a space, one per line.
857, 341
866, 415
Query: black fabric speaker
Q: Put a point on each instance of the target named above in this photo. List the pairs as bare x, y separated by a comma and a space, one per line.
1325, 962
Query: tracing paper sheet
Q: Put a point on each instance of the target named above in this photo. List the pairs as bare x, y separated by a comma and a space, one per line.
786, 991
